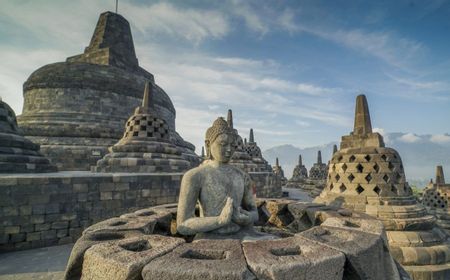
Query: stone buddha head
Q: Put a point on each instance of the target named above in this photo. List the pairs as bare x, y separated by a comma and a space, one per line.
220, 141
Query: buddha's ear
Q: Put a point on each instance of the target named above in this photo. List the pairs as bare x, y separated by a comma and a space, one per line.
208, 149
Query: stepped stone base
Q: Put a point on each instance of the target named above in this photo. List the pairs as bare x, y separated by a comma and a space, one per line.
313, 242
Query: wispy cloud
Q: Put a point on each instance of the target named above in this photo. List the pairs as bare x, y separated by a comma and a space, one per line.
409, 138
440, 138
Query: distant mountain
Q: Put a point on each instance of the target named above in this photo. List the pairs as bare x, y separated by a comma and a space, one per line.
420, 155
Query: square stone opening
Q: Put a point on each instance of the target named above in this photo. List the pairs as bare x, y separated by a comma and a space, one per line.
105, 236
204, 254
289, 251
137, 246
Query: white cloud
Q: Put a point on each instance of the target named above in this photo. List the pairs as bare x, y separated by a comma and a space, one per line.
194, 25
409, 138
440, 138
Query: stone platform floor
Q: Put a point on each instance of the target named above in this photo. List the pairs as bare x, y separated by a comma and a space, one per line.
43, 263
50, 262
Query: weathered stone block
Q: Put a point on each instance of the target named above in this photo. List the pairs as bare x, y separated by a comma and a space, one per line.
365, 253
204, 259
125, 259
75, 262
293, 258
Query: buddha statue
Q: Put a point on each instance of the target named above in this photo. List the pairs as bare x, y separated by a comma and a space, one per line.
224, 192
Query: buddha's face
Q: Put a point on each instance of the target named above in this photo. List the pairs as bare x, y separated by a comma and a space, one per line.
222, 148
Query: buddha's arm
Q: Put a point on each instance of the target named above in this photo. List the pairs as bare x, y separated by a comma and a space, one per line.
187, 223
248, 200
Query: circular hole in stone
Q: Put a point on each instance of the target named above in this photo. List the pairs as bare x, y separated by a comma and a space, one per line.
105, 236
204, 254
118, 223
147, 213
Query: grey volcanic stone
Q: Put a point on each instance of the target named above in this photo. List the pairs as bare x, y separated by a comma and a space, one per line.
18, 154
204, 259
293, 258
76, 109
359, 248
75, 263
124, 259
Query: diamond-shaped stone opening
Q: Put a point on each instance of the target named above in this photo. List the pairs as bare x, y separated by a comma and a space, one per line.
360, 168
344, 167
339, 158
394, 189
383, 157
342, 188
331, 186
377, 190
368, 158
351, 177
337, 177
391, 166
368, 178
376, 167
398, 177
333, 167
359, 189
386, 178
395, 156
352, 158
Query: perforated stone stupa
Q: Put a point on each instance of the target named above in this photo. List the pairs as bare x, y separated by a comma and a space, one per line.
252, 148
266, 183
278, 170
76, 109
366, 176
319, 170
18, 154
436, 198
240, 156
145, 146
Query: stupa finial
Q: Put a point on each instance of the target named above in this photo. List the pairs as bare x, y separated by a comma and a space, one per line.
148, 92
251, 138
203, 152
334, 149
362, 117
230, 118
277, 163
440, 180
319, 157
300, 163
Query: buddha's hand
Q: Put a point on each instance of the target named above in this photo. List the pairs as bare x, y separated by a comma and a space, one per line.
242, 217
227, 212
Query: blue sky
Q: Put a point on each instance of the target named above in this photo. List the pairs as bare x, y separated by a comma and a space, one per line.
289, 69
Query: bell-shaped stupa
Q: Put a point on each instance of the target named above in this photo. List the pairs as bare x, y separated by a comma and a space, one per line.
145, 146
366, 176
18, 154
76, 109
240, 156
436, 198
278, 170
319, 169
252, 148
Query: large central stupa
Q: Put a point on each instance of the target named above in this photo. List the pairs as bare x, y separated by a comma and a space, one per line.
76, 109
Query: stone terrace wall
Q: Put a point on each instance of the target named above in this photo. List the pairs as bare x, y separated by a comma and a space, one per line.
267, 184
40, 210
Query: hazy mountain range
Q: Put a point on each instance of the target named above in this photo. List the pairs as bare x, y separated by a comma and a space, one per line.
420, 155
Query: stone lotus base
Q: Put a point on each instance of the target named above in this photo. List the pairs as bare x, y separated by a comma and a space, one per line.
316, 242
